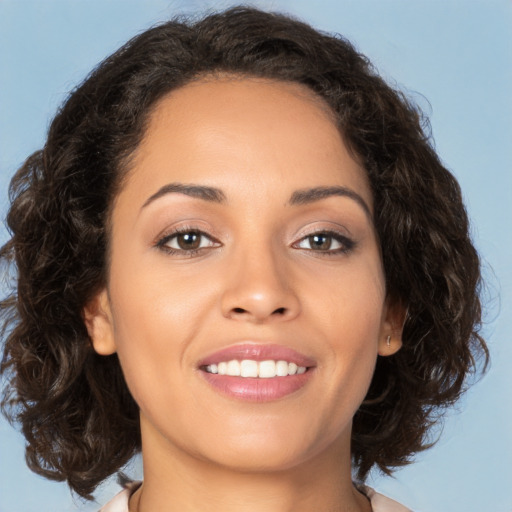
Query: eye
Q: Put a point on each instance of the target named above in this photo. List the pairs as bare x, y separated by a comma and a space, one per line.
326, 242
186, 241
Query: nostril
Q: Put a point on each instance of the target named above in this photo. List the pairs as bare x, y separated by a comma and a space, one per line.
238, 310
280, 311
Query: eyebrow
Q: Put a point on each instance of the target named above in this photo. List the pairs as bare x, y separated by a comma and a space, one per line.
299, 197
203, 192
310, 195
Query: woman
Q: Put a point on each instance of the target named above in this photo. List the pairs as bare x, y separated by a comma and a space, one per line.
238, 253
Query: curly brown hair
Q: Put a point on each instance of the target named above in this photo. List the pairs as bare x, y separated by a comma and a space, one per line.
79, 419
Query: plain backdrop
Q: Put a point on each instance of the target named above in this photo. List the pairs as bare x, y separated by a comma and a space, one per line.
453, 57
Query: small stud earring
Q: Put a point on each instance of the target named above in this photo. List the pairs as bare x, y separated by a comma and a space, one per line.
388, 341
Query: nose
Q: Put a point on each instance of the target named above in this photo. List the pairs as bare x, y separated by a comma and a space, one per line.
259, 290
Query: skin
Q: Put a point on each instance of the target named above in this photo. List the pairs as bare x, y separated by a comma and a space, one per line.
256, 277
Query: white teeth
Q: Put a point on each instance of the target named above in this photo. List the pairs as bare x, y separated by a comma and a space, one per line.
267, 369
281, 368
212, 368
250, 368
233, 368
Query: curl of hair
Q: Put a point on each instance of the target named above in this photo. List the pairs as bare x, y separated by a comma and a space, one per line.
78, 417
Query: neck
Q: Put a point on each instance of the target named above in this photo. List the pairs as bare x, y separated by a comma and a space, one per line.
176, 481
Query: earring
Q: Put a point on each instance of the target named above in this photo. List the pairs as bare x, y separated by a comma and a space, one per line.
388, 341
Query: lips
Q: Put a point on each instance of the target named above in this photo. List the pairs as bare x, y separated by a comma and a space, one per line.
258, 352
256, 372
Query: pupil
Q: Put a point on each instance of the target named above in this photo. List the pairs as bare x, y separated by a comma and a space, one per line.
320, 241
189, 241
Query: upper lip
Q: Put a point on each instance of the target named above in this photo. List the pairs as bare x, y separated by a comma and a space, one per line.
258, 352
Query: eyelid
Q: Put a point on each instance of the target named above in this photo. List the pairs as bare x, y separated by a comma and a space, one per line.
335, 238
184, 225
163, 239
346, 241
313, 228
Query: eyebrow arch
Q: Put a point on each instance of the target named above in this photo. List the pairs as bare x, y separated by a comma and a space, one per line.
310, 195
203, 192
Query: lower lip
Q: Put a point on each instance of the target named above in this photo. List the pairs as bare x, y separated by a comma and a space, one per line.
257, 390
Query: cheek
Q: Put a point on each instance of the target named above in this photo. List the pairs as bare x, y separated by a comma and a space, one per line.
152, 301
350, 299
351, 317
149, 327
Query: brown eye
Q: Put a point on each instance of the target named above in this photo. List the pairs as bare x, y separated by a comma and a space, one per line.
321, 242
188, 241
326, 243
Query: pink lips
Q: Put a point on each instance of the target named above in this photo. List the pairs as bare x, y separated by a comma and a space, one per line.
257, 352
257, 389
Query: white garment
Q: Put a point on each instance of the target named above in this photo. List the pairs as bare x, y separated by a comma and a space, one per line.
380, 503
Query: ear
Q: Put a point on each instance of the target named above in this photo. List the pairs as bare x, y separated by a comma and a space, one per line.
390, 340
98, 320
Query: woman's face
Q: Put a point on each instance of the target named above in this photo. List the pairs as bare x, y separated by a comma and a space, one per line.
244, 233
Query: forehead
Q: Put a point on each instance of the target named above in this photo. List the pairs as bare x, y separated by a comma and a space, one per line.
228, 92
245, 131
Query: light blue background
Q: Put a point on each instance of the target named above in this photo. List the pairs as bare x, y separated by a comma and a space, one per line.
456, 54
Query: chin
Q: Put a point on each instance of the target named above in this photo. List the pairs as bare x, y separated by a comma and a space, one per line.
272, 449
267, 460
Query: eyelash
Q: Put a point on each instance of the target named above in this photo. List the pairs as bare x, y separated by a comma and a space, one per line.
162, 243
346, 244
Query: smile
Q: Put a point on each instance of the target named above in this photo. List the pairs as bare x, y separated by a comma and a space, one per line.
256, 372
249, 368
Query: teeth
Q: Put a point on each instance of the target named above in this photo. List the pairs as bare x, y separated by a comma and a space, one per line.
250, 368
281, 368
267, 369
233, 369
222, 368
212, 368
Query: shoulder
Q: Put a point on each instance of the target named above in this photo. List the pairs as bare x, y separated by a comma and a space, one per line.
381, 503
119, 503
